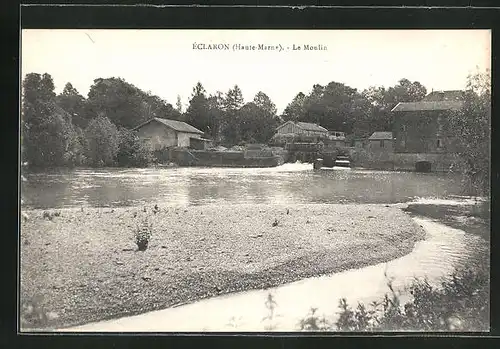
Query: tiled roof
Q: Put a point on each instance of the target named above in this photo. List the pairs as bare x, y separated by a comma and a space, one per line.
311, 127
427, 105
453, 95
179, 126
381, 136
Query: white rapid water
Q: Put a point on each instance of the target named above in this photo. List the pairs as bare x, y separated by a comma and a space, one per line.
434, 258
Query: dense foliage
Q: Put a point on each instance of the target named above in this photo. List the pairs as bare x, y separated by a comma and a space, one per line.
70, 130
472, 128
341, 108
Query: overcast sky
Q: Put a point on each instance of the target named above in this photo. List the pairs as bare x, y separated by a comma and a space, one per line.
165, 63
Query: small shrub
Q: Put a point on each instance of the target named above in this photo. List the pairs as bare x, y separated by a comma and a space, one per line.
34, 315
143, 234
313, 323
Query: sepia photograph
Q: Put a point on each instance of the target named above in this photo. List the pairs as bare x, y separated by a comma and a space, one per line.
177, 180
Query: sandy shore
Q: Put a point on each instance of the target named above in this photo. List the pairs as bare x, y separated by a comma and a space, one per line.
87, 268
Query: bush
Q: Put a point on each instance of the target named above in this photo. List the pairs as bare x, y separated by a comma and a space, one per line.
132, 151
459, 304
102, 140
143, 234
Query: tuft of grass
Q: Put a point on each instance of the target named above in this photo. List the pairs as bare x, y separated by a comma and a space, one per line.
313, 322
143, 233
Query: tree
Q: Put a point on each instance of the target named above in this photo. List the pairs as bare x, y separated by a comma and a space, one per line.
215, 115
257, 124
471, 126
118, 100
154, 106
50, 142
131, 150
178, 104
230, 122
384, 100
233, 99
335, 106
38, 98
197, 111
74, 104
295, 110
125, 104
47, 135
262, 101
102, 142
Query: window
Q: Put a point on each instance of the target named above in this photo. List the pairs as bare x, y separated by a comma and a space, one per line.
439, 143
381, 143
403, 143
440, 124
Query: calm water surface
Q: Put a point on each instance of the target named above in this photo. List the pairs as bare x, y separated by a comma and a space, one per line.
290, 183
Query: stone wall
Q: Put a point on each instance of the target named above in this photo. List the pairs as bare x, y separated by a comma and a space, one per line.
371, 160
185, 157
439, 162
404, 161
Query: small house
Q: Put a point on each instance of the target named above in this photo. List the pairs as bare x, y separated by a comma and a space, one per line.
165, 133
380, 142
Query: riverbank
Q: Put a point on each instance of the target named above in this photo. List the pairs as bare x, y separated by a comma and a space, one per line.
469, 215
287, 307
86, 265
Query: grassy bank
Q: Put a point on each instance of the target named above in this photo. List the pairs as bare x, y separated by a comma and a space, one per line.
83, 264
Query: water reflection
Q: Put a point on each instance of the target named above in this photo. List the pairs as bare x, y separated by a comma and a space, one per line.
290, 183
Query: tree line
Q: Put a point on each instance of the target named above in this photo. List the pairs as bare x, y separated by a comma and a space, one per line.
68, 129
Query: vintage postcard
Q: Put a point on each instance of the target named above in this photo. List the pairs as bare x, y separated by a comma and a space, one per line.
255, 180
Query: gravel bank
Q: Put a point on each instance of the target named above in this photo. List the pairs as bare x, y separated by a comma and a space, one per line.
86, 266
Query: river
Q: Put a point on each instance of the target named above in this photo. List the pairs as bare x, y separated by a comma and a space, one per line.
286, 184
444, 248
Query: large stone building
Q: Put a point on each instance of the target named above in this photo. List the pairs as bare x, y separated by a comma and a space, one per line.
424, 139
423, 127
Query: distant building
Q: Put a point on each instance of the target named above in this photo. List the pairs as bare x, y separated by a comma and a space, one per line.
308, 132
336, 138
380, 142
302, 128
360, 142
423, 127
165, 133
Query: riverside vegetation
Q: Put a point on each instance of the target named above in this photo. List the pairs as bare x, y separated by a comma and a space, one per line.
458, 304
68, 129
